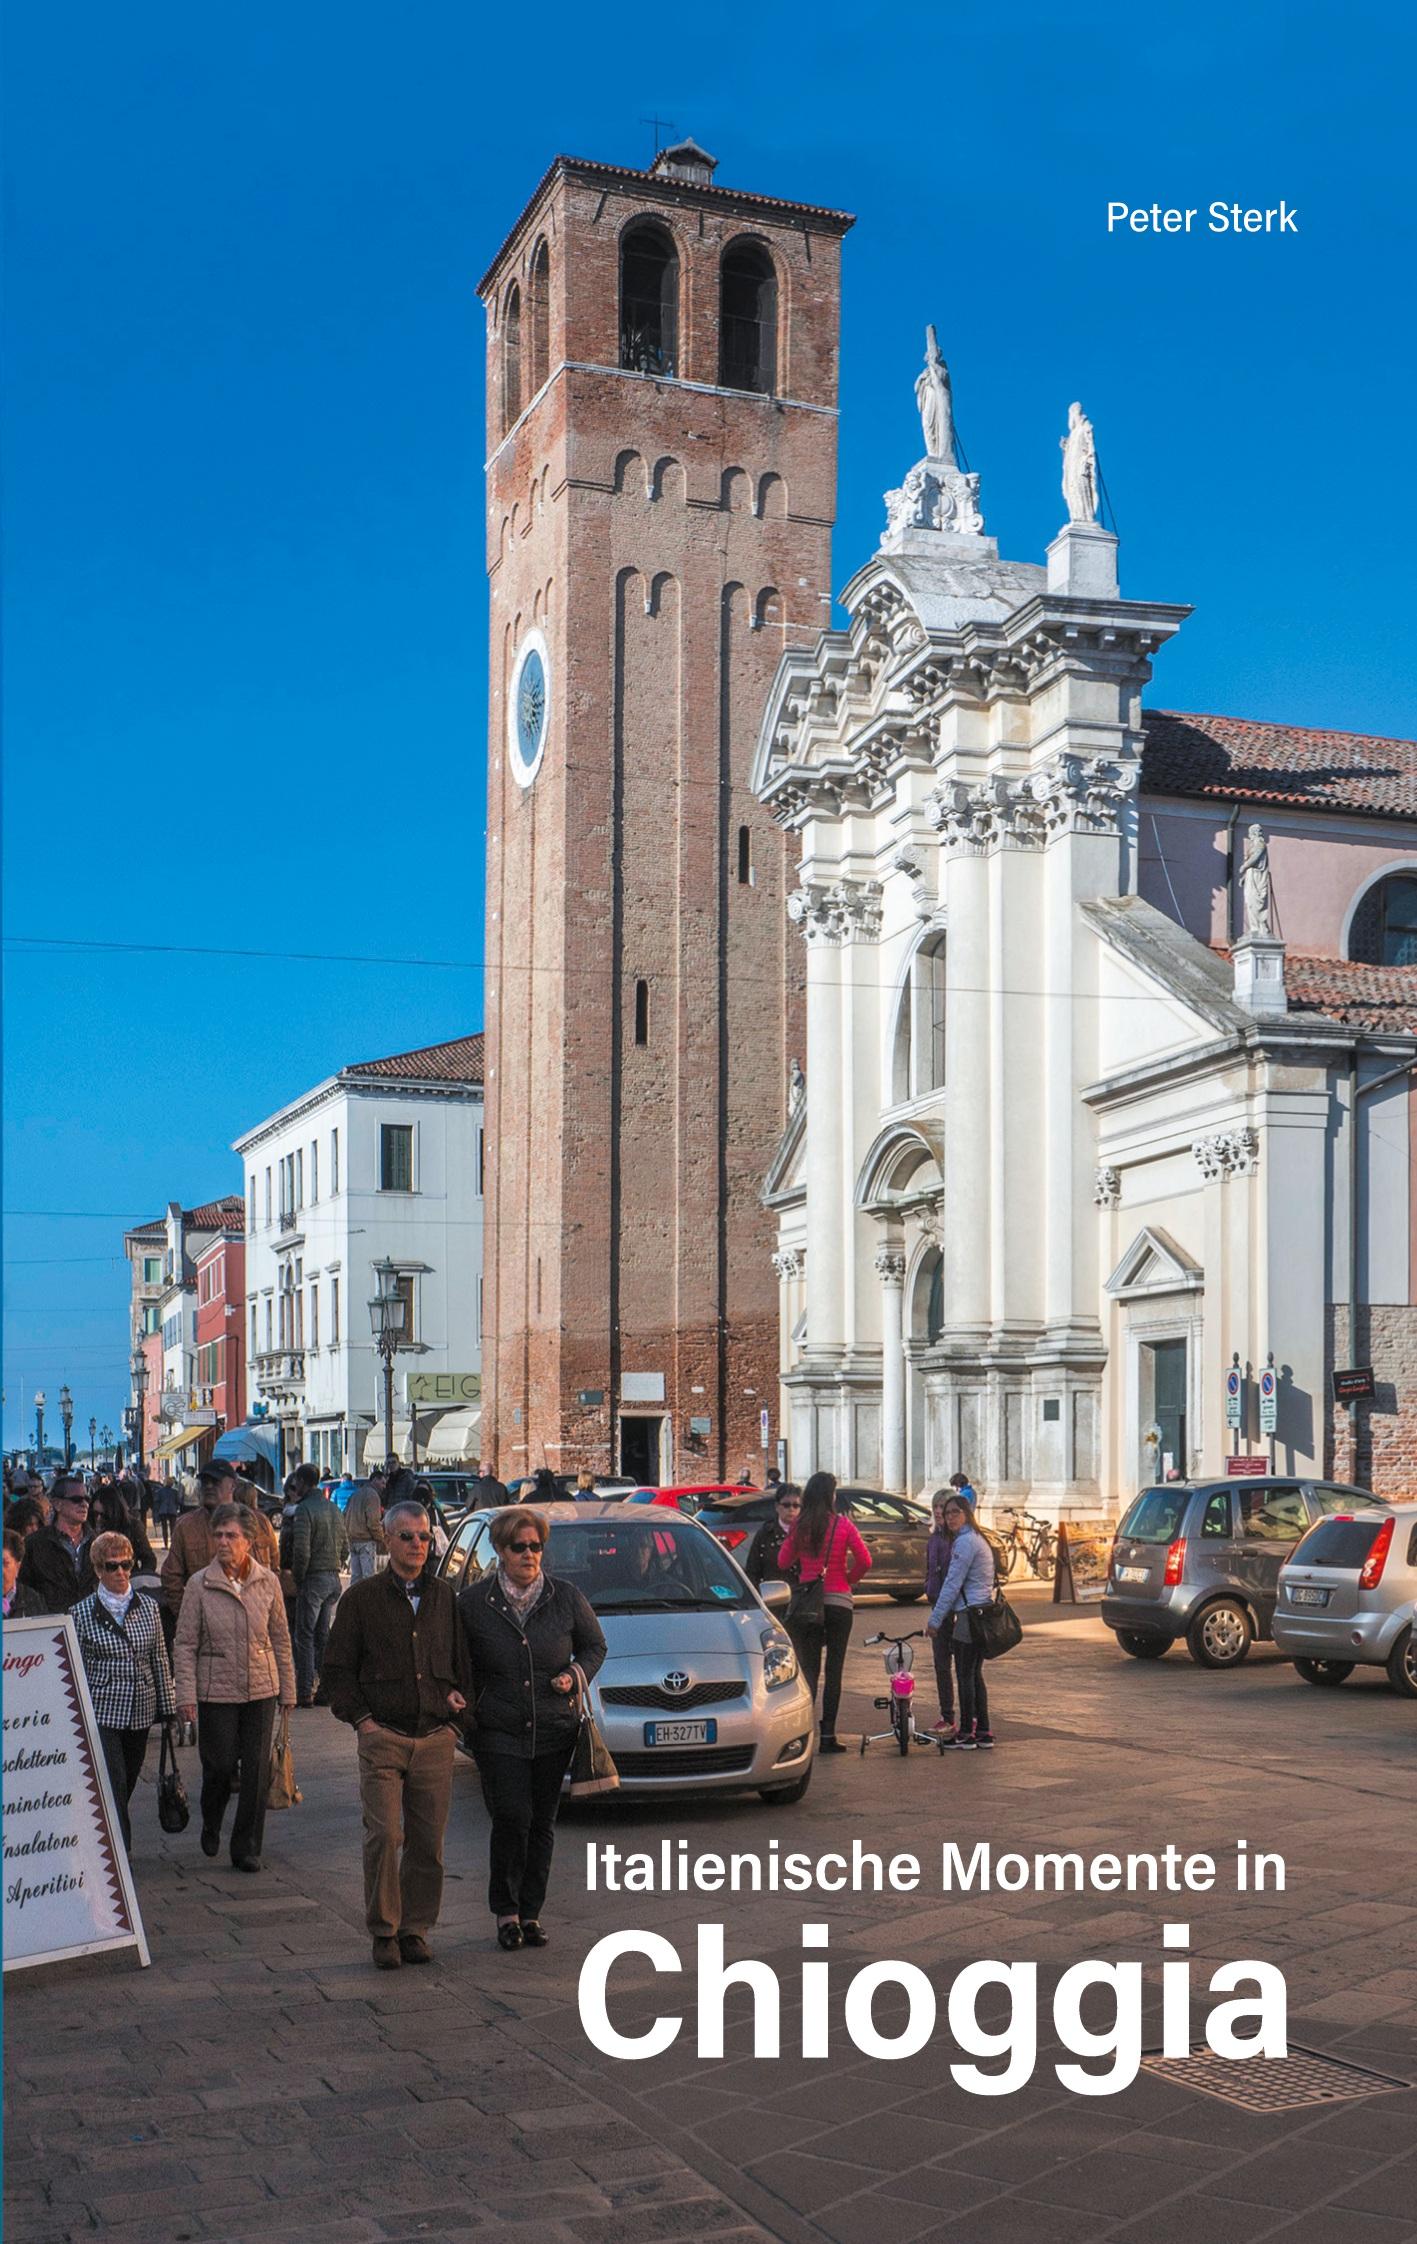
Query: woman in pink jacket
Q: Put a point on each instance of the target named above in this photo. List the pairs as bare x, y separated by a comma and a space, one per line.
827, 1551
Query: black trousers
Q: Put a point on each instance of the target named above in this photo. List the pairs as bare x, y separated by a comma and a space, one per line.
522, 1798
810, 1643
125, 1752
973, 1697
234, 1743
943, 1648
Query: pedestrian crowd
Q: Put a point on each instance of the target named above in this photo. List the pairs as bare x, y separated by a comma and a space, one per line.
249, 1622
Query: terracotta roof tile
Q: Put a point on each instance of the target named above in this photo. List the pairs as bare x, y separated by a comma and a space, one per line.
459, 1061
1239, 758
1370, 997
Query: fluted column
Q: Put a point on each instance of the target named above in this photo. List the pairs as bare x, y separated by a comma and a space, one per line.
890, 1267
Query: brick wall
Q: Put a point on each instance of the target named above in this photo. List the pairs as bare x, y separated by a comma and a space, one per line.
1384, 1455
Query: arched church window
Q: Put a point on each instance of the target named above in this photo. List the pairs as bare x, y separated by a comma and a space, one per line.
539, 320
649, 300
1384, 929
918, 1051
511, 358
747, 319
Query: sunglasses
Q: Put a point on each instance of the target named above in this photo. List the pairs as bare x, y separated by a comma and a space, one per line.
116, 1565
523, 1548
410, 1535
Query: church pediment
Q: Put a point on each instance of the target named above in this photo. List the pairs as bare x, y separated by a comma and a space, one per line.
786, 1180
1153, 1264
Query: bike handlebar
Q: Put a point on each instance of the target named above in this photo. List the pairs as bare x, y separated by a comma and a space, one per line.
882, 1638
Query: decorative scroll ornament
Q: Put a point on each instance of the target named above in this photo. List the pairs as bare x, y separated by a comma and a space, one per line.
1107, 1188
933, 497
912, 860
1234, 1153
839, 911
890, 1266
927, 1222
1068, 794
789, 1262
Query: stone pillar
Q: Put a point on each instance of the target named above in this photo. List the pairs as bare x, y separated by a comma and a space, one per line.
1259, 974
890, 1265
826, 1125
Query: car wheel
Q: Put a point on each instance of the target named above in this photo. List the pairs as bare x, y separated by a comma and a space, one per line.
1402, 1664
907, 1597
1328, 1672
1142, 1645
1220, 1635
785, 1795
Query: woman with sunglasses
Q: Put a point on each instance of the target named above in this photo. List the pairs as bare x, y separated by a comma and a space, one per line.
764, 1555
525, 1633
125, 1659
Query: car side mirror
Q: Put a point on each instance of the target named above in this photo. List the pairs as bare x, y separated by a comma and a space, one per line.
777, 1596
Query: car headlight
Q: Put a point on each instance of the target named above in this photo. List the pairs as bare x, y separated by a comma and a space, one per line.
779, 1660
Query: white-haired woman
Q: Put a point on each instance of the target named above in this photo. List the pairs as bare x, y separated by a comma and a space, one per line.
125, 1659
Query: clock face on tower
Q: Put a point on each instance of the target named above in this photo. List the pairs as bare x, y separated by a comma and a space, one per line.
529, 708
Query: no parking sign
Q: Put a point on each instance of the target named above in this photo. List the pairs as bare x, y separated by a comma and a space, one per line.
1234, 1382
1269, 1400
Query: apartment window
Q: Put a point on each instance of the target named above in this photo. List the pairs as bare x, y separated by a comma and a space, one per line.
334, 1312
396, 1157
334, 1160
300, 1177
152, 1269
251, 1201
314, 1313
479, 1309
268, 1195
314, 1171
404, 1289
150, 1317
269, 1320
481, 1163
255, 1347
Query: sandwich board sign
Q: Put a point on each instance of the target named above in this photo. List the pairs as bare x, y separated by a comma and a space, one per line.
68, 1887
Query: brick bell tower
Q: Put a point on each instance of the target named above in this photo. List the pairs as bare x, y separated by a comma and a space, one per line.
661, 480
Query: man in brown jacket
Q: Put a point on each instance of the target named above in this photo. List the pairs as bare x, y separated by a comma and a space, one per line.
192, 1545
396, 1669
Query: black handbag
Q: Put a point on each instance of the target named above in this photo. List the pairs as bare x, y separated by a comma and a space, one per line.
173, 1812
592, 1771
807, 1606
994, 1628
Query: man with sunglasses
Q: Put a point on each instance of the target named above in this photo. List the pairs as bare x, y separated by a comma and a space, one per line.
56, 1564
396, 1669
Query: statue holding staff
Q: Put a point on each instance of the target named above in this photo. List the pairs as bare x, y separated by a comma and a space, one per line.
933, 396
1079, 448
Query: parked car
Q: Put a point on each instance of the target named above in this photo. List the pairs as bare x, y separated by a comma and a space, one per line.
607, 1484
690, 1500
1200, 1559
895, 1530
1348, 1598
700, 1690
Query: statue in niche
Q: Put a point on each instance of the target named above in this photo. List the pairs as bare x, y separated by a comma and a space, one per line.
933, 396
1255, 890
796, 1086
1079, 467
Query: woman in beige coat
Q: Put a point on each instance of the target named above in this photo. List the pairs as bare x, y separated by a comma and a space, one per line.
232, 1655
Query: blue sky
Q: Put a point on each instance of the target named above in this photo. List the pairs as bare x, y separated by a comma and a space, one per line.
243, 547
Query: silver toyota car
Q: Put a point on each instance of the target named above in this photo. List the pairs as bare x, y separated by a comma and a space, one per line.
700, 1691
1348, 1596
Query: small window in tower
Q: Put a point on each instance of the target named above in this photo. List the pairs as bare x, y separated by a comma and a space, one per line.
747, 319
649, 300
512, 358
539, 320
745, 857
642, 1012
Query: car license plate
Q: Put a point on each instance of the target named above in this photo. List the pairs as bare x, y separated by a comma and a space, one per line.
1308, 1597
681, 1733
1131, 1573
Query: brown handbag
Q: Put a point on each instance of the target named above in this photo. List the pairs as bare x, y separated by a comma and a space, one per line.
283, 1791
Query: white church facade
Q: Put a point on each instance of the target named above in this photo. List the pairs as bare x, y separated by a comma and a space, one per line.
1111, 1031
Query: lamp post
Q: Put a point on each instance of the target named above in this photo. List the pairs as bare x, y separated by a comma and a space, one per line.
66, 1412
386, 1316
93, 1437
105, 1435
39, 1399
139, 1369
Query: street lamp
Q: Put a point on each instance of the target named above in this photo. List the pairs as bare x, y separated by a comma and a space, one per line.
66, 1412
39, 1399
93, 1435
386, 1312
105, 1435
139, 1369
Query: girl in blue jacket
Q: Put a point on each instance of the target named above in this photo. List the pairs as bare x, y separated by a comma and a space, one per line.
968, 1581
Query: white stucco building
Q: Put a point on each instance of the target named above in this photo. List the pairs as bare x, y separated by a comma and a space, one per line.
382, 1162
1069, 1144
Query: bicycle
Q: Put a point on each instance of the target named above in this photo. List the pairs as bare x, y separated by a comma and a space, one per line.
1032, 1541
900, 1663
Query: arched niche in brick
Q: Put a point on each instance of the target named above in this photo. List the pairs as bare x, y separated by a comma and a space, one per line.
511, 356
772, 498
630, 473
669, 480
538, 294
735, 491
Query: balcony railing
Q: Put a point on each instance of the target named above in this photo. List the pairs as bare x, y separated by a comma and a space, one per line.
280, 1367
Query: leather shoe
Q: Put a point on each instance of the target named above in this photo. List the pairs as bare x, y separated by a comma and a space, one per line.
211, 1842
251, 1862
414, 1948
386, 1952
534, 1933
510, 1936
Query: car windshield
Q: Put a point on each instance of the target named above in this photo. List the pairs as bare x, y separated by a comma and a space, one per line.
1156, 1515
646, 1565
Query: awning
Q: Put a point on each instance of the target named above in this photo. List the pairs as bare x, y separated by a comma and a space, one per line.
454, 1440
376, 1447
257, 1438
175, 1443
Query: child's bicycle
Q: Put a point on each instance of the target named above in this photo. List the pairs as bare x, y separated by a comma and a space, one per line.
900, 1662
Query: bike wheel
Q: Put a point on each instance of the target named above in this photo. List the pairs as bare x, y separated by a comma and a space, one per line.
1007, 1555
900, 1715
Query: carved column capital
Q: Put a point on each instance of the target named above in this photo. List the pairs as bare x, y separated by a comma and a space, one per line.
890, 1265
839, 911
1106, 1187
1228, 1153
789, 1262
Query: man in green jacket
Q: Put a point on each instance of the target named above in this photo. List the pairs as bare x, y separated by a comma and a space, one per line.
319, 1550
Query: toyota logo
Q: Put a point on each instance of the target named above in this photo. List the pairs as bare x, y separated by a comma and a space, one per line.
677, 1681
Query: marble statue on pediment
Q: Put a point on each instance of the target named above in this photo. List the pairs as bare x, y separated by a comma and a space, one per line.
936, 403
1079, 467
1255, 891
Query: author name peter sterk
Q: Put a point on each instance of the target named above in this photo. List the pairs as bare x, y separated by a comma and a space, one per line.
1218, 218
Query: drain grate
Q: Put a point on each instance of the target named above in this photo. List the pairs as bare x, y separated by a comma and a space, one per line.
1272, 2084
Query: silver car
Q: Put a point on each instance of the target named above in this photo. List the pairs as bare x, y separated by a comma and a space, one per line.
1348, 1598
700, 1691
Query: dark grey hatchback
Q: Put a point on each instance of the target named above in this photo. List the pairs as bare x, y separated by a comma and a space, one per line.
1200, 1559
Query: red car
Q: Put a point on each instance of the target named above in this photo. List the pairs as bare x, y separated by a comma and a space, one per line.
691, 1500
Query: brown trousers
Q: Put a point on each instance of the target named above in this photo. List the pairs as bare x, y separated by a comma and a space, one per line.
405, 1787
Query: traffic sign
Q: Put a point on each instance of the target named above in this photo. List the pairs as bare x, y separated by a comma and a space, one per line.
1234, 1384
1269, 1400
1255, 1467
